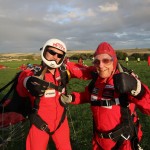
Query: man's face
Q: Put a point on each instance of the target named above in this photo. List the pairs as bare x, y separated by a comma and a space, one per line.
104, 65
53, 54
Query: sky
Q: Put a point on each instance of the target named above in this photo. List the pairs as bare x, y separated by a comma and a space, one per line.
25, 25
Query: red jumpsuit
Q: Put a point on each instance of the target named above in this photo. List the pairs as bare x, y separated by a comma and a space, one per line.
50, 110
107, 118
80, 61
148, 60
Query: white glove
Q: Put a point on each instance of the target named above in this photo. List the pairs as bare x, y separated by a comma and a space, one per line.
66, 99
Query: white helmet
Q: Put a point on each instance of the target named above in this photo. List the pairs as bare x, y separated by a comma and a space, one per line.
56, 44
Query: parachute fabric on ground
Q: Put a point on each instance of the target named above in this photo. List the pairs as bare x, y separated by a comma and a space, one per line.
13, 108
11, 104
12, 135
14, 111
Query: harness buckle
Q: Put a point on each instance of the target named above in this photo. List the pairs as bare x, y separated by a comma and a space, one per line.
44, 127
101, 135
126, 138
107, 103
110, 135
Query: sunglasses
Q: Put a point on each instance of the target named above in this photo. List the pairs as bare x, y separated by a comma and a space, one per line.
105, 61
54, 53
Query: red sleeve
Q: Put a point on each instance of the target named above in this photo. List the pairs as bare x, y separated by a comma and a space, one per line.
79, 71
82, 97
144, 103
22, 91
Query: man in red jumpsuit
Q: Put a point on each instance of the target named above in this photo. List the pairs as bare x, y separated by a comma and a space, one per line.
45, 90
113, 96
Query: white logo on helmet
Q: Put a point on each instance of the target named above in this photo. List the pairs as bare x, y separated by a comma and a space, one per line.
59, 46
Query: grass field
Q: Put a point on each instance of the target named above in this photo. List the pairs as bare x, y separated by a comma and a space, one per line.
80, 119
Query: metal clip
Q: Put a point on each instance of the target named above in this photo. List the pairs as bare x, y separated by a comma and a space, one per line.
44, 127
100, 135
126, 138
109, 134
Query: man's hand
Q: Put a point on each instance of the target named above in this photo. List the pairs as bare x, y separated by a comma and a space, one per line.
125, 83
66, 99
36, 86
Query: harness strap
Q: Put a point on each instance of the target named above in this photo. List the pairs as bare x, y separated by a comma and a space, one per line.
13, 82
58, 88
124, 131
42, 125
64, 80
9, 83
105, 102
36, 119
116, 134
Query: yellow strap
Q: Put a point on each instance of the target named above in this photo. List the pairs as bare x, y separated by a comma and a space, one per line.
69, 75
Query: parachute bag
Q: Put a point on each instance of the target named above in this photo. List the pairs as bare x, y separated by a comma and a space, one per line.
13, 108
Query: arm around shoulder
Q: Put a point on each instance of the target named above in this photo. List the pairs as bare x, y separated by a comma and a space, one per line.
79, 71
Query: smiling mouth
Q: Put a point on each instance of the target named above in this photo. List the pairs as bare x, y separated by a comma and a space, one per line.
101, 70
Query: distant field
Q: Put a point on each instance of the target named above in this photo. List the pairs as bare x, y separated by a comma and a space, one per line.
128, 51
71, 52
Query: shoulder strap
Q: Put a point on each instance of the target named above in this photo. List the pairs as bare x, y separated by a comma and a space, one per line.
64, 76
10, 82
92, 83
13, 82
126, 116
121, 68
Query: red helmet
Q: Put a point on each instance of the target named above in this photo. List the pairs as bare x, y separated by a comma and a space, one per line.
106, 48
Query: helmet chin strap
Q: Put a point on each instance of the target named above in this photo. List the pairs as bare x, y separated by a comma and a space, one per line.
53, 63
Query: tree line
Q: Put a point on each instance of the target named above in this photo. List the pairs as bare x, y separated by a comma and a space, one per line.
120, 56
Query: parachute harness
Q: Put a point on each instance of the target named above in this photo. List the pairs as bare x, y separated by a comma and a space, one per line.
127, 130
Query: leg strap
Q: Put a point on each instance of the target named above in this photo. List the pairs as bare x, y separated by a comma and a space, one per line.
42, 125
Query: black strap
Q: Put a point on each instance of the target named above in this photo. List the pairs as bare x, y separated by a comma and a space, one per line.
103, 103
9, 83
64, 75
13, 82
42, 125
64, 79
7, 95
58, 88
92, 83
114, 135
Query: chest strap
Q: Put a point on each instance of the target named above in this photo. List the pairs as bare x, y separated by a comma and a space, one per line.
105, 102
57, 88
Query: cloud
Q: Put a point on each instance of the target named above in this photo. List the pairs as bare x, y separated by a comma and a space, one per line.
108, 7
27, 25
